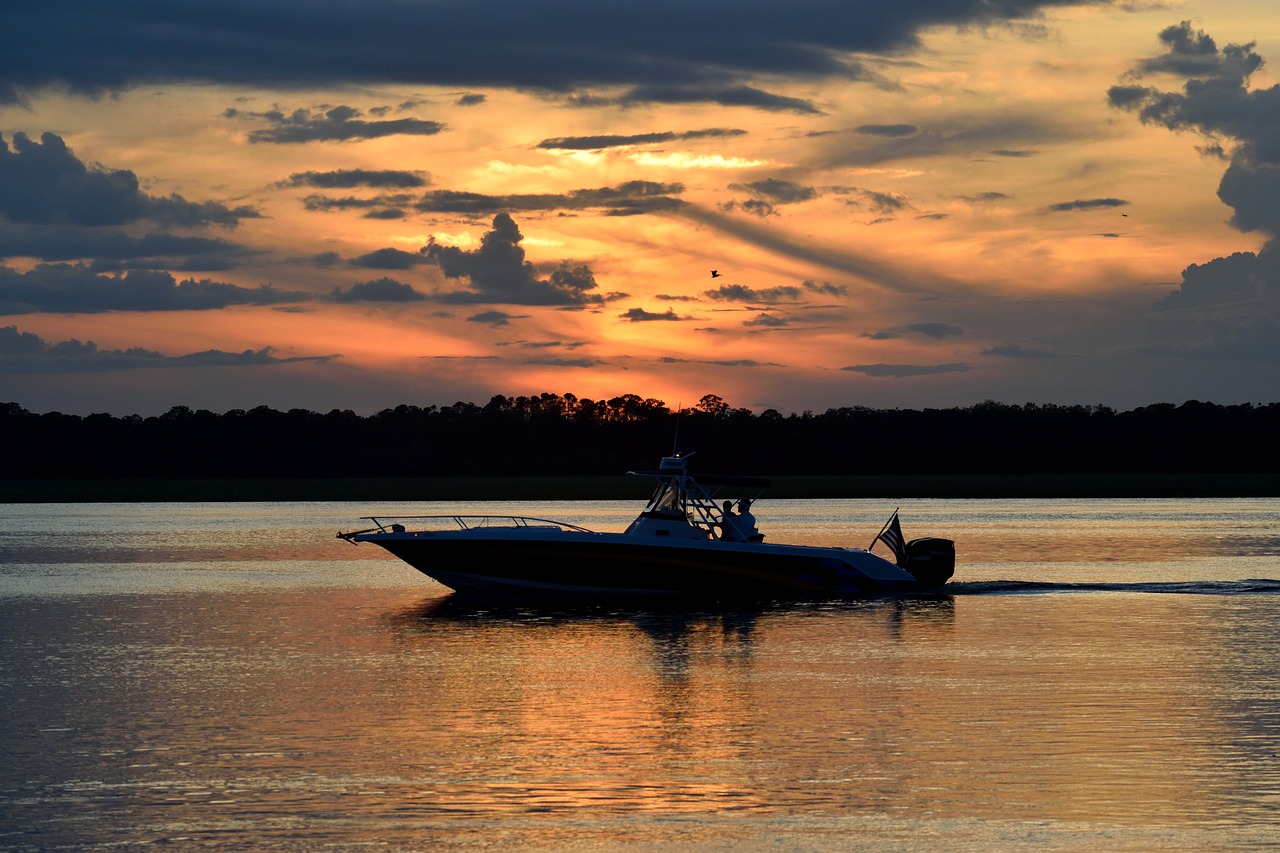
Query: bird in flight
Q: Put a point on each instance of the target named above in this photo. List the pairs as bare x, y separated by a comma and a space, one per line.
715, 273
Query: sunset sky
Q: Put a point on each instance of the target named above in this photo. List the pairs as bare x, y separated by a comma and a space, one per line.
355, 204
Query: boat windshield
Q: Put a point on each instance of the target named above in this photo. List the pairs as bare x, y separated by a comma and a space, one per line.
669, 497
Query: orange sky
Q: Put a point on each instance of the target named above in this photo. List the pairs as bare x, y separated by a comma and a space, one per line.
955, 210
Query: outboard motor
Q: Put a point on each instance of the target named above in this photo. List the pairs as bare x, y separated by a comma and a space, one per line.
931, 560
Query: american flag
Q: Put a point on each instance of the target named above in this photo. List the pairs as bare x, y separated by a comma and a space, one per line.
892, 536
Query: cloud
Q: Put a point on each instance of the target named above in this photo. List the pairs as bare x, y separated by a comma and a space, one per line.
937, 331
742, 293
1085, 204
24, 352
596, 143
378, 290
498, 272
626, 199
901, 371
639, 315
569, 47
347, 178
894, 131
1239, 121
495, 318
339, 124
1018, 351
66, 288
44, 183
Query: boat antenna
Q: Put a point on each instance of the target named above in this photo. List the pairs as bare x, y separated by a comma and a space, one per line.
675, 444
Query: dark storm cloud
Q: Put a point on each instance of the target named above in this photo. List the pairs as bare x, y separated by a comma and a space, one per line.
339, 124
24, 352
44, 183
66, 288
626, 199
900, 371
378, 290
667, 51
348, 178
595, 143
499, 274
1085, 204
1240, 122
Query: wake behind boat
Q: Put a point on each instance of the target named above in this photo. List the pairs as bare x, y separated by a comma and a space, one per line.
682, 543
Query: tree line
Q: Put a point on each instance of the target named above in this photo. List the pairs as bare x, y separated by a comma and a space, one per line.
552, 434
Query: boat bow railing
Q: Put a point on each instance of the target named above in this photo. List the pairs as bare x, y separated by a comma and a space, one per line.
400, 524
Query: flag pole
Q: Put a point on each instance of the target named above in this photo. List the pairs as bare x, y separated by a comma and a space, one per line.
883, 528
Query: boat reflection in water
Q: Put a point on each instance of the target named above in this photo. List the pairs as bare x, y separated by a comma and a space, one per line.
684, 542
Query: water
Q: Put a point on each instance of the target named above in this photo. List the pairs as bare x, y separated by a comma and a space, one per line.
1103, 675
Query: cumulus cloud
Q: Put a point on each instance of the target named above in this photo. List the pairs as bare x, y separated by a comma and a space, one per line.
24, 352
68, 288
498, 272
495, 318
44, 183
339, 124
1239, 122
378, 290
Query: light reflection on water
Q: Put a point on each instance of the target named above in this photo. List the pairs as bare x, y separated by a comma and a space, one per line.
232, 676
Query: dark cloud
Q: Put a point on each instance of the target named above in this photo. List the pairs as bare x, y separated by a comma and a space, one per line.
1013, 152
767, 321
1018, 351
24, 352
639, 315
471, 99
937, 331
378, 290
498, 272
595, 143
900, 371
984, 197
776, 190
891, 130
157, 249
65, 288
1241, 123
742, 293
347, 178
668, 51
495, 318
44, 183
388, 259
339, 124
626, 199
1085, 204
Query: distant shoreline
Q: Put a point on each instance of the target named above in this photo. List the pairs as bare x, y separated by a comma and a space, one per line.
459, 489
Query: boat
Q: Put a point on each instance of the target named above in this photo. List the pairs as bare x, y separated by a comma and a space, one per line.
683, 543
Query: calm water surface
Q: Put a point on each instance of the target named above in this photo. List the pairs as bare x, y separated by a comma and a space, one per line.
1102, 675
